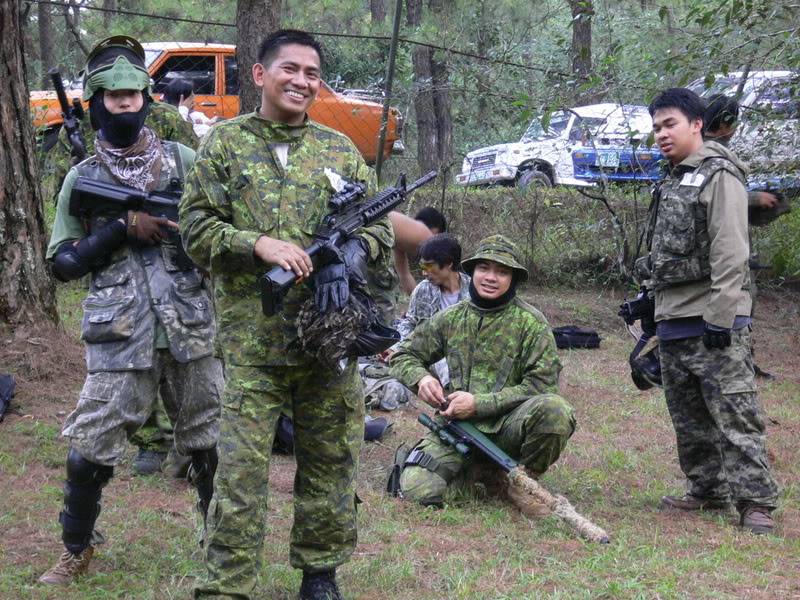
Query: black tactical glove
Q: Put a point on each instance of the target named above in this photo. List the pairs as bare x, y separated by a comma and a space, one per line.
716, 337
343, 267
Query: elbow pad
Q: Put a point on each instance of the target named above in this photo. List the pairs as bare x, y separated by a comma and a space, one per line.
75, 261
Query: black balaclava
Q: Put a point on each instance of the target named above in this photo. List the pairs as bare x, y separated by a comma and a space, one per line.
488, 303
120, 130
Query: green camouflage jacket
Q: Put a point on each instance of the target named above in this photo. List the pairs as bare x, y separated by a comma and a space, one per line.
237, 191
164, 119
501, 356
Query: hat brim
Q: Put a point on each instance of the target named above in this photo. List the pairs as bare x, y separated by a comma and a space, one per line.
469, 265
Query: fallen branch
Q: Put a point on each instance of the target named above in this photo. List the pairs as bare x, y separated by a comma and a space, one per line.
560, 507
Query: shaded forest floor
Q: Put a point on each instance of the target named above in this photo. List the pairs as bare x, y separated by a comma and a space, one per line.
618, 464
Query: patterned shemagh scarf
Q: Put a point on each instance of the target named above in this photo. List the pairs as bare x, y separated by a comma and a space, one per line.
137, 166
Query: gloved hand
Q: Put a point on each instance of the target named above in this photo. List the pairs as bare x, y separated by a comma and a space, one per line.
716, 337
146, 228
343, 267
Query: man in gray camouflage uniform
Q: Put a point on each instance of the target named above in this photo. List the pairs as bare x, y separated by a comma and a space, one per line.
697, 266
148, 322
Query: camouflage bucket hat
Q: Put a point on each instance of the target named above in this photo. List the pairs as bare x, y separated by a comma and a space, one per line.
116, 63
499, 249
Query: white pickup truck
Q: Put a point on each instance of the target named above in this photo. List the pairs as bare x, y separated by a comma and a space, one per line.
544, 157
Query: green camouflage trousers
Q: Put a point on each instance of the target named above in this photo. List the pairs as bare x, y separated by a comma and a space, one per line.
535, 433
328, 414
711, 396
113, 405
156, 433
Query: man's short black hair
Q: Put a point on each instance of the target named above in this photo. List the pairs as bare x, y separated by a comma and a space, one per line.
722, 110
273, 42
177, 88
686, 101
443, 249
432, 218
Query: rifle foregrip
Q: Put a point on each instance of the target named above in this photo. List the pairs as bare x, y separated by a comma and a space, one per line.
274, 284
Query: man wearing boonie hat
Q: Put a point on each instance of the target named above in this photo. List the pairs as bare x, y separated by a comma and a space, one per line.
148, 322
503, 375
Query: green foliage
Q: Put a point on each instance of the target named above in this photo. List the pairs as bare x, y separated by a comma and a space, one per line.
778, 245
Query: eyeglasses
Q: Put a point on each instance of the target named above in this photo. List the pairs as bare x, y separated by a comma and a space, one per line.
426, 266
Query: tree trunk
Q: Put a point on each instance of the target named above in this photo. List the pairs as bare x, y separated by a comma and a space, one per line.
46, 43
431, 100
581, 52
255, 19
377, 10
26, 289
108, 17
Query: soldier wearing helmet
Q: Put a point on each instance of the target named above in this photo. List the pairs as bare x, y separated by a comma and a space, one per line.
148, 322
503, 375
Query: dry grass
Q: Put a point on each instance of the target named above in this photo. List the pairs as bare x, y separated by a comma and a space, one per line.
618, 464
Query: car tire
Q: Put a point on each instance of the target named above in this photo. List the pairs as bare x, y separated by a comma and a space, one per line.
535, 178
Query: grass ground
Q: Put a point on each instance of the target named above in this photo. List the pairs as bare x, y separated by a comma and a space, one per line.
618, 464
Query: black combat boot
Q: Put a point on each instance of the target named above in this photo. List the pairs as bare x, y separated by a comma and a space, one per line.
320, 586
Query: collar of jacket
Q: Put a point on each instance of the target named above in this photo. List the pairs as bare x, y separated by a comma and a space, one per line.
493, 310
275, 132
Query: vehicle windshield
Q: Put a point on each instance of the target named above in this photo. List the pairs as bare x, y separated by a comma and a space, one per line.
558, 124
150, 56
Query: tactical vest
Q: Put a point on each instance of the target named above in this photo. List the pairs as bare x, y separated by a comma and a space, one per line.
677, 234
142, 285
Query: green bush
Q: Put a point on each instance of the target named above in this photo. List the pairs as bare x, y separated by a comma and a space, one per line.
566, 237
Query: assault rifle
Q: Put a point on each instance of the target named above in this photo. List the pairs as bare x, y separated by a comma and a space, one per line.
345, 218
464, 437
90, 197
71, 114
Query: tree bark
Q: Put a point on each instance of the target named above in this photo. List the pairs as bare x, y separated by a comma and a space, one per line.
377, 10
74, 25
46, 54
581, 52
108, 17
431, 99
255, 19
26, 288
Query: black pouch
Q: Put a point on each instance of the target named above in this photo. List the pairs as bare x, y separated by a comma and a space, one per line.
571, 336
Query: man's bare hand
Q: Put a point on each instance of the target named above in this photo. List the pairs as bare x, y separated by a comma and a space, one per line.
767, 200
430, 390
284, 254
461, 405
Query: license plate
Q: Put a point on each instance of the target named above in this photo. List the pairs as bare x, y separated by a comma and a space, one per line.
479, 175
608, 159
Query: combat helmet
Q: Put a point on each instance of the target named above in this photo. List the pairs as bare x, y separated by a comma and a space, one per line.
499, 249
116, 63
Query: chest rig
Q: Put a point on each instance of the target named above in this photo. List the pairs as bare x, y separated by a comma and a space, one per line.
677, 232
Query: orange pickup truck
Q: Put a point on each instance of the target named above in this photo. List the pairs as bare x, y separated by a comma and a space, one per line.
213, 70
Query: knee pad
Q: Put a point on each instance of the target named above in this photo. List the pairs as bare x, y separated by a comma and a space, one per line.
82, 491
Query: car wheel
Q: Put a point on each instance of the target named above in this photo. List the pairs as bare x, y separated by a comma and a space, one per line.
534, 177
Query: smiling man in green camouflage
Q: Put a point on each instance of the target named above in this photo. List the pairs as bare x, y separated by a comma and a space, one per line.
503, 375
258, 191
